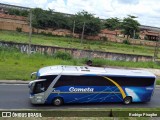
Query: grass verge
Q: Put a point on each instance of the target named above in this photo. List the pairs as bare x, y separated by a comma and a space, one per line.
99, 113
18, 66
75, 43
15, 65
158, 82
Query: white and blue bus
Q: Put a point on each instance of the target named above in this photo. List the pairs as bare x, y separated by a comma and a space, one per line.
82, 84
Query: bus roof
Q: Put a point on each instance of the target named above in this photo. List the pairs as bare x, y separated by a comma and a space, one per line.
83, 70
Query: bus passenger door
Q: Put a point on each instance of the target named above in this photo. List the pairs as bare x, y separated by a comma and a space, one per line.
48, 92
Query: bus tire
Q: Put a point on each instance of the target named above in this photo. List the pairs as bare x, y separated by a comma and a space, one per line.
127, 100
57, 101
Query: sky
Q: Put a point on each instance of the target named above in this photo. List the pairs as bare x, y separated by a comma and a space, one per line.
147, 11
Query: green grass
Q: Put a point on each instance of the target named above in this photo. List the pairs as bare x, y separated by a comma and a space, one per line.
94, 114
15, 65
75, 43
158, 82
130, 64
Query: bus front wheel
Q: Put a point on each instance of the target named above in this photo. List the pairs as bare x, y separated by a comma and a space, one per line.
127, 100
57, 101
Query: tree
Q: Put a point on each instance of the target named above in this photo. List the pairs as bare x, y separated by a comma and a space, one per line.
49, 19
112, 23
39, 18
130, 26
18, 12
60, 20
92, 24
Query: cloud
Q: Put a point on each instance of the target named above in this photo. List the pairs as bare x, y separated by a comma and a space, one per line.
146, 11
128, 1
40, 3
26, 3
74, 6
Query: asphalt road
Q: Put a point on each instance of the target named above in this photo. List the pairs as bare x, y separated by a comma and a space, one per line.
14, 96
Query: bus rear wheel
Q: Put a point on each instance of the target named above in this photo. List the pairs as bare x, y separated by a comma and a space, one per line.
57, 101
127, 100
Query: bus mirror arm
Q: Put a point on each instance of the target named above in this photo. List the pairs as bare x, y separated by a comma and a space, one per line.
33, 74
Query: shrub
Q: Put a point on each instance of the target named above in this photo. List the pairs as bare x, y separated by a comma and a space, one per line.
19, 29
98, 62
49, 34
126, 42
105, 39
63, 55
43, 33
69, 36
88, 47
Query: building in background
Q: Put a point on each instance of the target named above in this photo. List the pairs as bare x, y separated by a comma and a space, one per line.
7, 6
149, 33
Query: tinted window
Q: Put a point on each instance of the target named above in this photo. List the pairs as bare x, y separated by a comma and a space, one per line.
133, 81
48, 80
82, 81
39, 87
91, 81
65, 81
101, 81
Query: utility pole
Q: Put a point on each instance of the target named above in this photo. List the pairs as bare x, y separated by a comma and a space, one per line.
156, 47
30, 31
73, 29
83, 32
134, 34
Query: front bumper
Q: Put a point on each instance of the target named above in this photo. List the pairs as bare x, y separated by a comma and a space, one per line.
36, 99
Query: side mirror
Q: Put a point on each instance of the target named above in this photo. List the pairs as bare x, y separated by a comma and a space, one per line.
34, 73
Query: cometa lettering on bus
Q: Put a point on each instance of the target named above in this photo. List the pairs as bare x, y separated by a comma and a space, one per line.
72, 89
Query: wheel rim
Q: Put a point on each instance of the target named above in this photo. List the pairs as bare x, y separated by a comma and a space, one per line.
57, 102
127, 100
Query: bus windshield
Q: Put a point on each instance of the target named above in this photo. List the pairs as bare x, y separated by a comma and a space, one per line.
31, 86
39, 87
42, 84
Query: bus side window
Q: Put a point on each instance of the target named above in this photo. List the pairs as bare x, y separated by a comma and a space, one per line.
65, 80
82, 80
98, 81
132, 81
92, 81
49, 80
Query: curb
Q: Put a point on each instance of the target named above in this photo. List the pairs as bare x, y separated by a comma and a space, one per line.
13, 82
